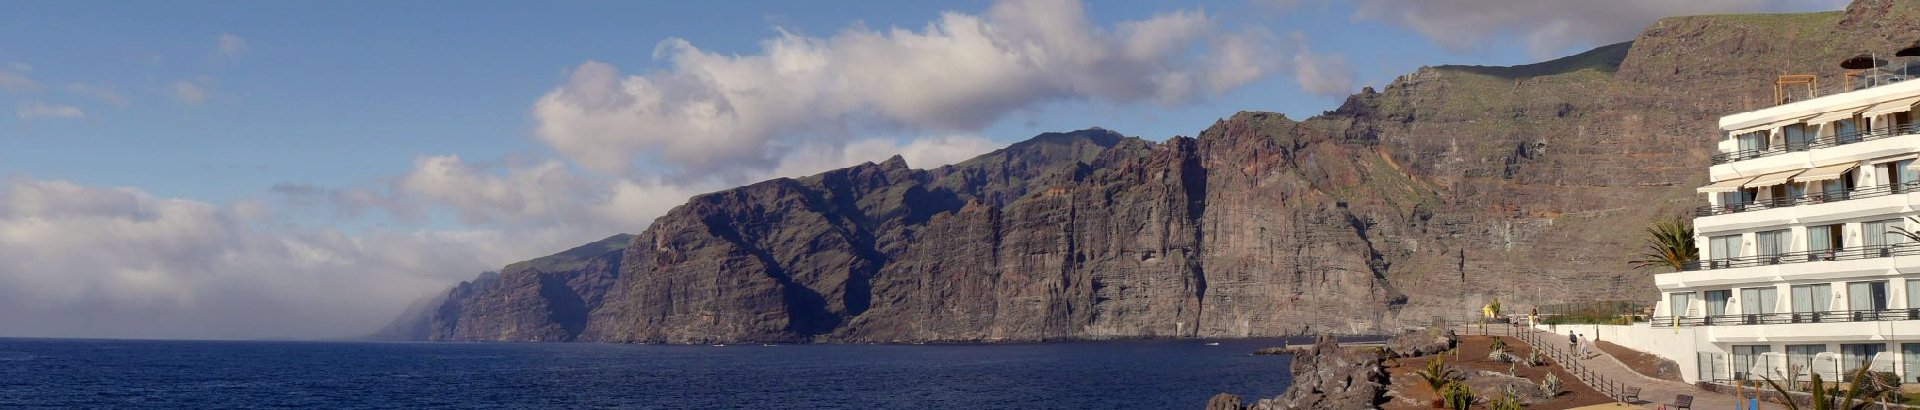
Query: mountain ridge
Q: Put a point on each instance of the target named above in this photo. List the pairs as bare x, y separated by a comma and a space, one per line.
1449, 187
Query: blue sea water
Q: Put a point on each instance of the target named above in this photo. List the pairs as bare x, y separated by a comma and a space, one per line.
1165, 374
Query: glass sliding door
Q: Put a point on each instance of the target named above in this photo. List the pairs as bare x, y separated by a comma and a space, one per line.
1748, 364
1852, 356
1810, 301
1881, 236
1680, 304
1772, 244
1751, 143
1845, 131
1866, 299
1824, 242
1717, 302
1722, 250
1797, 137
1759, 301
1910, 362
1800, 359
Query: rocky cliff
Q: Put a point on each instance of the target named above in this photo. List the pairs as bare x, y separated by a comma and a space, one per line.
548, 299
1450, 186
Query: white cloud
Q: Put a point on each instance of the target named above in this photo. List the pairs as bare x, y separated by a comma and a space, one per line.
1320, 74
712, 114
14, 80
32, 110
100, 91
540, 194
189, 92
83, 261
1547, 27
230, 46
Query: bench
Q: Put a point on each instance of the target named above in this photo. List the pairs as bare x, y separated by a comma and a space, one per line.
1680, 401
1631, 394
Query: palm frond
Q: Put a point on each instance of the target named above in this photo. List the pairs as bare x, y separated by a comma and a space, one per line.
1667, 244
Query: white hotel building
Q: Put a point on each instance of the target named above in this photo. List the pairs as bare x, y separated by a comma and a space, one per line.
1799, 260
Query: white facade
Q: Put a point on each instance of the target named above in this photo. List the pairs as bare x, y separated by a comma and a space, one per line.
1802, 256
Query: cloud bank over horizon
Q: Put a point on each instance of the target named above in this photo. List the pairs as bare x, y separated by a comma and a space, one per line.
308, 261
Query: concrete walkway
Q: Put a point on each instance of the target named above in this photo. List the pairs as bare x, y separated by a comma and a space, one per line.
1653, 392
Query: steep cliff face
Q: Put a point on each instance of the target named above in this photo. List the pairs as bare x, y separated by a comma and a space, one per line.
1446, 188
548, 299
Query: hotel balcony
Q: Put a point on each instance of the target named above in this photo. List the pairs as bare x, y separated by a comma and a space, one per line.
1834, 263
1819, 143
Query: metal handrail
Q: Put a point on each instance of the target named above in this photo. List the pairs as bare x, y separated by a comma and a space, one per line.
1599, 382
1810, 199
1831, 316
1818, 142
1836, 254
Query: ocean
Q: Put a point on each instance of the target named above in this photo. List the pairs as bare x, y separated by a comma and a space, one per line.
1154, 374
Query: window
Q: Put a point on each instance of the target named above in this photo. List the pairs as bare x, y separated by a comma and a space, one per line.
1760, 301
1880, 235
1717, 301
1845, 131
1748, 362
1802, 356
1797, 137
1867, 296
1910, 357
1853, 355
1913, 294
1896, 174
1824, 240
1723, 248
1735, 198
1680, 304
1773, 243
1810, 300
1752, 142
1837, 189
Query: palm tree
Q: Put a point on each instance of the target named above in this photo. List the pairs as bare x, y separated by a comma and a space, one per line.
1669, 244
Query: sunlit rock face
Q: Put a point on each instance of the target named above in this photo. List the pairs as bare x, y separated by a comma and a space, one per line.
1449, 187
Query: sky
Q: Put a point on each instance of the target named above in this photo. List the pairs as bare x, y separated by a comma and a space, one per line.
305, 170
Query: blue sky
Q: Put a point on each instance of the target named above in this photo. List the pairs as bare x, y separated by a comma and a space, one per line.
344, 96
278, 155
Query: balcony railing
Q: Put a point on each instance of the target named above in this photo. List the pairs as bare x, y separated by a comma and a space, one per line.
1818, 142
1837, 254
1810, 199
1835, 316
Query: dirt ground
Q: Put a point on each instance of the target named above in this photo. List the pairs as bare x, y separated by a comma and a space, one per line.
1412, 392
1641, 362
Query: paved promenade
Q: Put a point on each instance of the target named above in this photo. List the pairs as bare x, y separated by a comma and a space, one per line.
1653, 392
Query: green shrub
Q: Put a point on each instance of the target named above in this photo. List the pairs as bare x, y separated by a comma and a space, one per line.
1437, 374
1508, 401
1551, 385
1457, 396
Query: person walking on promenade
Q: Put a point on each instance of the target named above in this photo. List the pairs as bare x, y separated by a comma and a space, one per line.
1573, 341
1586, 346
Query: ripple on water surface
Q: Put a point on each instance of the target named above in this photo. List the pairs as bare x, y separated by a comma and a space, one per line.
1135, 374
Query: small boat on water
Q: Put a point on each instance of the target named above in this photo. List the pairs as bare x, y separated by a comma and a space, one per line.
1213, 343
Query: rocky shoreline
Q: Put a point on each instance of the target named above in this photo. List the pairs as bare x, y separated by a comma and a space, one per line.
1327, 375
